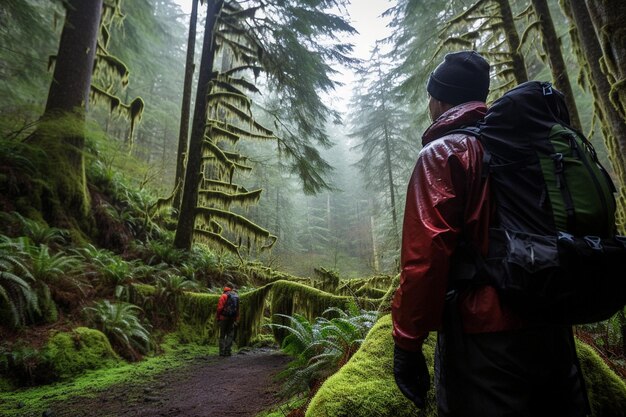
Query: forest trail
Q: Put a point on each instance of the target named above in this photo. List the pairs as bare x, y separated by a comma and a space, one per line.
241, 385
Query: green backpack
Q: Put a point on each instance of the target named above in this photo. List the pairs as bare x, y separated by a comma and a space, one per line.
553, 252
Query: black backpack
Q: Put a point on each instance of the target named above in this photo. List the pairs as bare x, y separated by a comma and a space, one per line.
231, 307
553, 253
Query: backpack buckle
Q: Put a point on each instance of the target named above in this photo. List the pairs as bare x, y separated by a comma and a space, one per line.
564, 236
547, 89
593, 242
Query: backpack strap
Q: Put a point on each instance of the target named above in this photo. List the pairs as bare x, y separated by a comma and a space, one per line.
475, 131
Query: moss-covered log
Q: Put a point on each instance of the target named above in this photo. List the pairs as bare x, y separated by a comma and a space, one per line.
198, 310
289, 297
365, 386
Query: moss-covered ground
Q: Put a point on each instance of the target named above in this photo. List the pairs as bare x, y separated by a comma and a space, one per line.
92, 383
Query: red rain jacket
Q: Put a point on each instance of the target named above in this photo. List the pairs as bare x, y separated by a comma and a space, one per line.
220, 305
445, 196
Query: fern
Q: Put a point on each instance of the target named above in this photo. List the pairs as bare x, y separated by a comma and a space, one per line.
322, 347
41, 234
121, 324
18, 300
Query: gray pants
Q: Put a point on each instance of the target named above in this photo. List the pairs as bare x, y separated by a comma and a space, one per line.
227, 335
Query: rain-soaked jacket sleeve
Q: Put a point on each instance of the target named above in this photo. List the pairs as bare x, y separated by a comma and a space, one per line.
220, 304
433, 219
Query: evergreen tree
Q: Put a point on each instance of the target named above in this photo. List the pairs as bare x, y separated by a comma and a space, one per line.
283, 41
380, 124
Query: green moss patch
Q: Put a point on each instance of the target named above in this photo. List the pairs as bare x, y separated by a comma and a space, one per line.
71, 353
606, 390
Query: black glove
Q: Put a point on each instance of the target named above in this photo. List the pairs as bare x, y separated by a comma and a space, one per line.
411, 374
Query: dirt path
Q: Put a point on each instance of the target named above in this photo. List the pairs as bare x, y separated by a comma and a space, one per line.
241, 385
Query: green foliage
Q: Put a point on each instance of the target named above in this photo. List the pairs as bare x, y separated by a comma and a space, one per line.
40, 233
25, 365
164, 252
116, 274
120, 323
607, 335
292, 297
57, 279
321, 347
164, 302
18, 299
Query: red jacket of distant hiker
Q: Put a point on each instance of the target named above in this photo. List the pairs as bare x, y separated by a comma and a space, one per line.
222, 302
446, 196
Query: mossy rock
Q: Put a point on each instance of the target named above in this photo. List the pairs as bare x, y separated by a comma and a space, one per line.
365, 386
71, 353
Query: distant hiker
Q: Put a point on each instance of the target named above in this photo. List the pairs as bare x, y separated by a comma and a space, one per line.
489, 361
227, 318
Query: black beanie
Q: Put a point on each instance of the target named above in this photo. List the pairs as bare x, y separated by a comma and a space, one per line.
461, 77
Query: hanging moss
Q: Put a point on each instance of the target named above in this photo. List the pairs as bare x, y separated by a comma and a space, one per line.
327, 280
374, 287
289, 297
199, 321
71, 353
251, 313
365, 385
197, 317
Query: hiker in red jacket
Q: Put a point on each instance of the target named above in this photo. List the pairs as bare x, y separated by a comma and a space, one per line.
227, 318
488, 361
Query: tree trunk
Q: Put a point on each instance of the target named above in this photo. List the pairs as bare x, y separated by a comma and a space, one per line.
183, 134
69, 90
392, 193
68, 97
375, 262
608, 17
512, 39
186, 219
552, 46
613, 125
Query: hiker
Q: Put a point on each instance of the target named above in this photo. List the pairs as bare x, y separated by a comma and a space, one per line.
227, 318
488, 360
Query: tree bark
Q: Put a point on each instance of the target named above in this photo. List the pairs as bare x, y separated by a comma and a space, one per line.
552, 46
183, 135
375, 261
512, 39
608, 17
186, 219
613, 125
68, 98
71, 81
